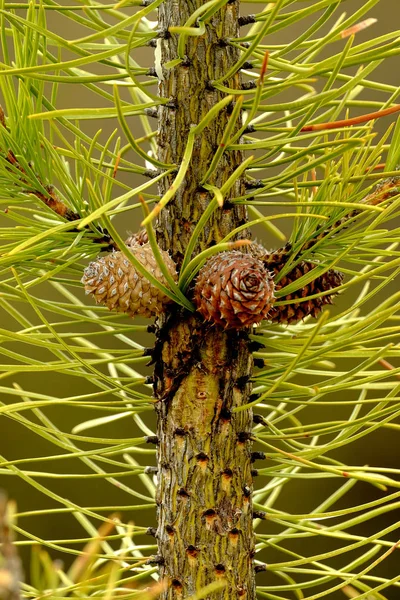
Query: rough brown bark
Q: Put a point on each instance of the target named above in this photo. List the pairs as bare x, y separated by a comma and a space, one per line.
204, 454
189, 89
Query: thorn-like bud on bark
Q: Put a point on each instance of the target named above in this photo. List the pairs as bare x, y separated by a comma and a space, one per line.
223, 43
157, 559
176, 584
151, 470
151, 173
229, 108
151, 439
259, 514
244, 436
228, 473
249, 129
187, 62
259, 363
254, 473
202, 456
241, 382
192, 551
2, 117
183, 493
246, 20
252, 185
254, 397
180, 431
151, 531
254, 346
148, 351
151, 73
247, 65
257, 456
151, 112
152, 43
219, 570
164, 34
246, 491
249, 85
233, 536
260, 568
225, 414
228, 205
259, 420
149, 380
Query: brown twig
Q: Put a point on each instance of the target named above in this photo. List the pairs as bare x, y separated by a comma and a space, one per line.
264, 68
387, 365
358, 27
376, 167
52, 201
354, 121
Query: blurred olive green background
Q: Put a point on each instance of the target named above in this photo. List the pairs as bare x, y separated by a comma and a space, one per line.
380, 448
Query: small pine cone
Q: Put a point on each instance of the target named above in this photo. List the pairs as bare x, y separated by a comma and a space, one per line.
234, 290
113, 280
270, 259
295, 311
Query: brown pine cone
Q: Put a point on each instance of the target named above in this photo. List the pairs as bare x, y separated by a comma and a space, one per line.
113, 281
270, 258
234, 290
296, 311
386, 189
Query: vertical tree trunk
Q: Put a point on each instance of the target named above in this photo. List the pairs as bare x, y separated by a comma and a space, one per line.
204, 454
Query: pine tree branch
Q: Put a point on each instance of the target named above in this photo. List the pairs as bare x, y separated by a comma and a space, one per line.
51, 199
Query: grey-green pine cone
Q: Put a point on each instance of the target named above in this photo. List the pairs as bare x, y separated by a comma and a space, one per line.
112, 280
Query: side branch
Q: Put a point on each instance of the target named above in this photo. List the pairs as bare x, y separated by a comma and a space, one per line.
50, 198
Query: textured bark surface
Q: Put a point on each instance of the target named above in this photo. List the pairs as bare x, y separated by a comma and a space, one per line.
189, 89
204, 454
205, 525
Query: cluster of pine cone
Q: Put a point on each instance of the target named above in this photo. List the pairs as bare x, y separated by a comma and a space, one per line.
232, 290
